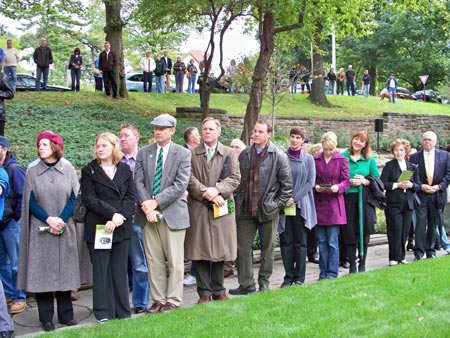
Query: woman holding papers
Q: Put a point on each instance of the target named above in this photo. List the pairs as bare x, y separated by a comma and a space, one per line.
401, 181
300, 214
332, 180
48, 255
108, 193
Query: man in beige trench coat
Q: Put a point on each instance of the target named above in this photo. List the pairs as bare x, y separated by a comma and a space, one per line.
211, 241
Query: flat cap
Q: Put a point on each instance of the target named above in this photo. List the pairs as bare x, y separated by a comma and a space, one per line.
164, 121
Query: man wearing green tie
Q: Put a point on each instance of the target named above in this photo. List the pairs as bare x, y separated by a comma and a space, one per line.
161, 176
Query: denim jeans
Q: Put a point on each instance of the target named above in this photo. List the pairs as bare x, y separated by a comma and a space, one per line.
191, 83
139, 266
445, 243
392, 92
294, 87
11, 73
41, 71
75, 74
159, 83
331, 87
328, 238
350, 88
9, 260
366, 89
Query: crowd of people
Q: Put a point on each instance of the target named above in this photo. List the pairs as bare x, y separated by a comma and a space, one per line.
336, 82
204, 201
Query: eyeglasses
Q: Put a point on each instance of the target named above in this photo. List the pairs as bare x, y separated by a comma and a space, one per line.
427, 139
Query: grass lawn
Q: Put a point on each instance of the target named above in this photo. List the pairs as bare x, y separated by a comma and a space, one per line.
403, 301
345, 106
79, 117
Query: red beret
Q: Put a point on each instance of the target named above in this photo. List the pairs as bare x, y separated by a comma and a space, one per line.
55, 138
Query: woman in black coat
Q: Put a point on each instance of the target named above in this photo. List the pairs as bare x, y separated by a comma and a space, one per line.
400, 199
108, 192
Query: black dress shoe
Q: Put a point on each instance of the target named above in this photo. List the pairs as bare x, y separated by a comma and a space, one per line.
285, 284
242, 291
140, 309
263, 287
72, 322
48, 326
313, 260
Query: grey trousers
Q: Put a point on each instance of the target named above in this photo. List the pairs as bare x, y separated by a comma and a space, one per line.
246, 231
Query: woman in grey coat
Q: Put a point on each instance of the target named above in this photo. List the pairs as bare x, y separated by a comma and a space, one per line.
48, 254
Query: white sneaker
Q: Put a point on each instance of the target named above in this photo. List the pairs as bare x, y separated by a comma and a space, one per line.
392, 263
448, 251
189, 280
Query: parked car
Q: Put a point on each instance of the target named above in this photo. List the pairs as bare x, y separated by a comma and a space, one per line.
135, 83
28, 82
403, 93
428, 96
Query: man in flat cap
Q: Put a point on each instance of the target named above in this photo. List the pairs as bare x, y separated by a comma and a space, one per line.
162, 176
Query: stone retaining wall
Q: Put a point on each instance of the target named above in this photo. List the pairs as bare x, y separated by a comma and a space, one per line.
395, 124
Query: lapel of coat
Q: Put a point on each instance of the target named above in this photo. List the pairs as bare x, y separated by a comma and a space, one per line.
151, 164
168, 164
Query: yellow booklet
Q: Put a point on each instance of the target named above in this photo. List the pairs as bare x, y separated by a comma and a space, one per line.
225, 209
103, 239
291, 210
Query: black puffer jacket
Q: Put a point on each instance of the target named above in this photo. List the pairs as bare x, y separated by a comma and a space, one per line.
5, 93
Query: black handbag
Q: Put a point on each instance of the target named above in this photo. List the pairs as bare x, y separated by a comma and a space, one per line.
79, 210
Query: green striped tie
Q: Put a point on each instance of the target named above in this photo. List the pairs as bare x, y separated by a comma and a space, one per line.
158, 173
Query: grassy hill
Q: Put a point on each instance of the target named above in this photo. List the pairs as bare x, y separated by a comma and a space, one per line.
80, 117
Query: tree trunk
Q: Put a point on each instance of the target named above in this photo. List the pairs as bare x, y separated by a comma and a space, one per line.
317, 95
259, 77
373, 81
113, 30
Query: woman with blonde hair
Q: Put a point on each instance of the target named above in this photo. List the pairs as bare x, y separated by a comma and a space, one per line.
332, 180
108, 192
401, 181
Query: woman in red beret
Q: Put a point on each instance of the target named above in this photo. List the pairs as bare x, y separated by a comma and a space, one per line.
48, 255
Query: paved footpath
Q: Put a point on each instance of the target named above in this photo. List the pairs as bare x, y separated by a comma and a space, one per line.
27, 323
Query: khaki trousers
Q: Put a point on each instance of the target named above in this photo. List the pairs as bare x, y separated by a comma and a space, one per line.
164, 249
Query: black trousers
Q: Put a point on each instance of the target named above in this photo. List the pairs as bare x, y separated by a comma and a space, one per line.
293, 248
209, 277
45, 303
398, 222
109, 80
311, 244
110, 279
148, 78
426, 222
98, 83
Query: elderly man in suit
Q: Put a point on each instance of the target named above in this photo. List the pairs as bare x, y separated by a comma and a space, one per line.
162, 176
434, 177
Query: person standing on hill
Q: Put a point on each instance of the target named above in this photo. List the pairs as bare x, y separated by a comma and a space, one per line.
6, 93
350, 76
10, 63
43, 58
107, 64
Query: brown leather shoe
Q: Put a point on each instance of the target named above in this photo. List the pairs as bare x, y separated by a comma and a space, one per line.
228, 273
169, 307
156, 307
220, 297
204, 299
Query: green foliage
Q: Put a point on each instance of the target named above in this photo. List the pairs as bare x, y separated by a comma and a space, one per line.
79, 125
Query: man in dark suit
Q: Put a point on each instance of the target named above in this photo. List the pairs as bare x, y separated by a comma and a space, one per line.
434, 177
168, 66
107, 63
162, 175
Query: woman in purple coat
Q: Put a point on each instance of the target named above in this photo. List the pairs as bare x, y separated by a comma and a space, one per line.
332, 180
